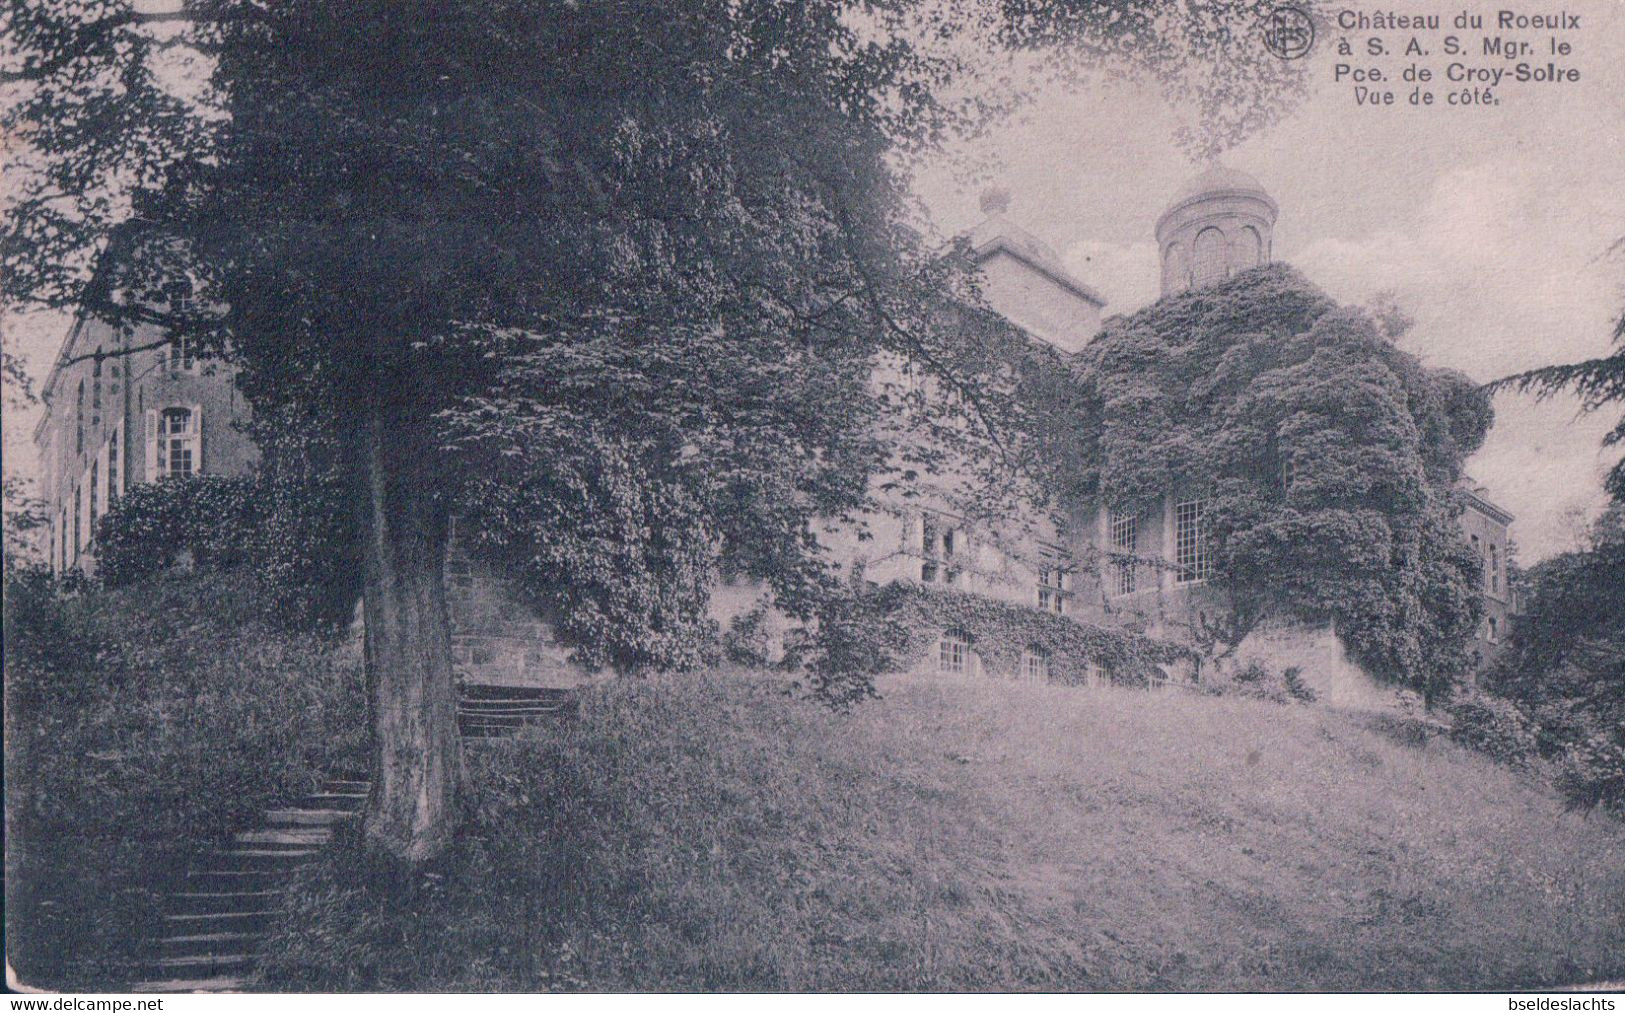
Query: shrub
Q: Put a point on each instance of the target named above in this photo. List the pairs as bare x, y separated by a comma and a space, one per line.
1255, 681
142, 725
294, 537
1495, 726
747, 641
1566, 667
155, 525
875, 630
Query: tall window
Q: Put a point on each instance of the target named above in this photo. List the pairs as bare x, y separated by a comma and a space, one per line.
78, 512
1191, 559
177, 442
112, 467
1035, 664
1249, 248
96, 382
1495, 569
938, 544
1492, 630
182, 353
95, 474
1054, 587
1175, 272
1208, 258
79, 419
1125, 533
1096, 674
954, 652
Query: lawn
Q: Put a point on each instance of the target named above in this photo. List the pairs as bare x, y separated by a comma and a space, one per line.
714, 832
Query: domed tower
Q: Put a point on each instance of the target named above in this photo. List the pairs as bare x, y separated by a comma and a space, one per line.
1220, 223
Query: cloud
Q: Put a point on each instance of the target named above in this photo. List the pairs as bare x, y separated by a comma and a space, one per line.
1502, 275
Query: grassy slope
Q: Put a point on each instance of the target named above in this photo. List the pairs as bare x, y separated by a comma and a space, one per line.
143, 725
712, 833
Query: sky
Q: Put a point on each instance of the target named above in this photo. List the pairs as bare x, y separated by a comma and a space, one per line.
1490, 225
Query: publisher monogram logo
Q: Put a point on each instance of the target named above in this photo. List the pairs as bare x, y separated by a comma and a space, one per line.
1288, 32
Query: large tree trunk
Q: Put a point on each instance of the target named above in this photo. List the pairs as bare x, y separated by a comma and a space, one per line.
417, 763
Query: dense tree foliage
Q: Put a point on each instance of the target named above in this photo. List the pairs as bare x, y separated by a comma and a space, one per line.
1328, 455
657, 245
1566, 664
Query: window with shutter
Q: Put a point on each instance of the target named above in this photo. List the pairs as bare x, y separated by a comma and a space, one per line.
178, 442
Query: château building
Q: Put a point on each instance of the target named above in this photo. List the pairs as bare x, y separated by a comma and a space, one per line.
114, 419
112, 422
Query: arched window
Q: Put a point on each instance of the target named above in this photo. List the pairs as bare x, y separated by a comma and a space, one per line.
1493, 631
1175, 270
1208, 258
1034, 664
954, 653
1249, 249
79, 420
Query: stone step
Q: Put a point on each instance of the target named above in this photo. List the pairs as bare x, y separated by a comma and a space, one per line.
217, 921
209, 937
297, 837
215, 902
239, 879
225, 983
486, 691
341, 785
204, 960
334, 800
308, 817
204, 943
269, 859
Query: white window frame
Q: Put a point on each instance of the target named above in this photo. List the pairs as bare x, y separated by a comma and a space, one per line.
164, 443
1054, 584
1123, 529
181, 355
1034, 664
1192, 562
955, 650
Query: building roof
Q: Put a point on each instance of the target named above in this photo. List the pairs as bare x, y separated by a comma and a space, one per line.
1217, 181
998, 234
1478, 497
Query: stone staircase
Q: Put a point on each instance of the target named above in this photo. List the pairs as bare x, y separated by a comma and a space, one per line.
488, 711
214, 919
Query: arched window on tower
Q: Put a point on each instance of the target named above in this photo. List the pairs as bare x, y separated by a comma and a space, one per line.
1175, 270
1249, 249
1208, 258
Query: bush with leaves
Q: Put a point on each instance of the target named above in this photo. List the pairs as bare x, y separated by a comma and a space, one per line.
621, 555
155, 525
1565, 668
870, 631
292, 534
1329, 456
